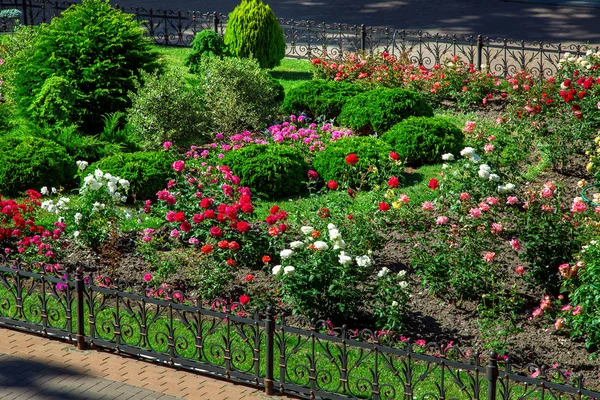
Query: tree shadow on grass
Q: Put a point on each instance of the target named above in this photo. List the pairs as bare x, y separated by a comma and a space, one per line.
292, 75
411, 177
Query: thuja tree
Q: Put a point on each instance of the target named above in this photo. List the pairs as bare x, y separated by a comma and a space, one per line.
96, 50
254, 31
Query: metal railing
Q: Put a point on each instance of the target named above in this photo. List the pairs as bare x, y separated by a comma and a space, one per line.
308, 39
316, 361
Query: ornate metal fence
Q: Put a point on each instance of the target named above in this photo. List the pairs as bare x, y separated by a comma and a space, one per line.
308, 39
318, 361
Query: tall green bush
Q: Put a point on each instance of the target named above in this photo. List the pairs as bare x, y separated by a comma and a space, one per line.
379, 109
253, 30
97, 49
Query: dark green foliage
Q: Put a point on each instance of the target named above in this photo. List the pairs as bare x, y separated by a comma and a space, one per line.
31, 163
371, 152
97, 49
271, 171
423, 140
380, 109
239, 94
254, 31
165, 108
206, 43
320, 97
148, 172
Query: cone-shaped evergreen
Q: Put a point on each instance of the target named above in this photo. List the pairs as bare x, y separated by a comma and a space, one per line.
253, 30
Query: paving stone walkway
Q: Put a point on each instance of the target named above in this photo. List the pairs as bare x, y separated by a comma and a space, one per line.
33, 367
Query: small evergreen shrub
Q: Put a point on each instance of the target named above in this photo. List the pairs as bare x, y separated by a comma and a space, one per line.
55, 103
380, 109
271, 171
164, 108
371, 152
206, 43
31, 163
239, 94
320, 97
146, 171
254, 31
423, 140
97, 49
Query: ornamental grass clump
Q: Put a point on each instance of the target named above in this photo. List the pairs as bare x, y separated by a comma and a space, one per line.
254, 31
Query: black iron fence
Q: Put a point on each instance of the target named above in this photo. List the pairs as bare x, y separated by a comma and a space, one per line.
308, 39
264, 350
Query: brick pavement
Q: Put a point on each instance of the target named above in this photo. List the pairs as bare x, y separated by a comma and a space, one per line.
33, 367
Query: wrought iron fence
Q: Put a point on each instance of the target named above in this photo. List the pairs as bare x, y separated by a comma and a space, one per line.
308, 39
316, 361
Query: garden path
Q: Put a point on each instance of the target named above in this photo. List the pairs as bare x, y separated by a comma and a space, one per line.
33, 367
530, 20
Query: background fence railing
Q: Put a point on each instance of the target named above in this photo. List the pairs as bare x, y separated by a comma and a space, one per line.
264, 350
308, 39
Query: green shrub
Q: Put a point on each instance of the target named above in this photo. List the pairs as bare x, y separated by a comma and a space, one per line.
97, 49
55, 103
380, 109
254, 31
239, 94
371, 152
164, 108
31, 163
147, 172
319, 97
269, 170
423, 140
206, 43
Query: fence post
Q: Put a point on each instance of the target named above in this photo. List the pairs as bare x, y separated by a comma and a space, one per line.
492, 375
24, 12
216, 22
270, 331
79, 287
479, 51
363, 37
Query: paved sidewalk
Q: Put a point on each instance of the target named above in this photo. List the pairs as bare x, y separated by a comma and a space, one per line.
33, 367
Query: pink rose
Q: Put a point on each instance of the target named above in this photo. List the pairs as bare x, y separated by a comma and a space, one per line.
179, 165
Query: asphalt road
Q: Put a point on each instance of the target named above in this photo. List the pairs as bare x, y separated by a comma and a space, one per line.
494, 18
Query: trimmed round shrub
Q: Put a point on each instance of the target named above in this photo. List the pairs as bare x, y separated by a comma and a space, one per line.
96, 50
423, 140
253, 31
147, 172
271, 171
371, 152
206, 43
320, 97
31, 163
379, 109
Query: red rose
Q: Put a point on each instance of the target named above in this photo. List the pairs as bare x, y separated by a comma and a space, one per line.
313, 175
234, 245
332, 185
206, 202
383, 206
206, 249
393, 182
209, 214
197, 218
266, 259
231, 262
179, 216
351, 159
271, 219
243, 226
394, 156
186, 226
247, 207
216, 231
223, 244
244, 299
433, 184
274, 210
249, 278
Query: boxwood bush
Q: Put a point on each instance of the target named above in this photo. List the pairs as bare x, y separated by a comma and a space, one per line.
271, 171
147, 171
206, 43
379, 109
320, 97
371, 152
423, 140
31, 163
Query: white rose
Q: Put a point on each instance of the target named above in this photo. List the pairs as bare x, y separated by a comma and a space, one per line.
483, 174
467, 152
277, 270
403, 284
296, 244
124, 183
81, 165
44, 191
364, 261
394, 303
448, 157
331, 226
98, 174
320, 245
339, 244
289, 270
334, 234
345, 259
284, 254
384, 271
494, 178
76, 234
78, 217
307, 230
402, 274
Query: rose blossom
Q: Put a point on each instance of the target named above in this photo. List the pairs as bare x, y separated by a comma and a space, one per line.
442, 220
179, 165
